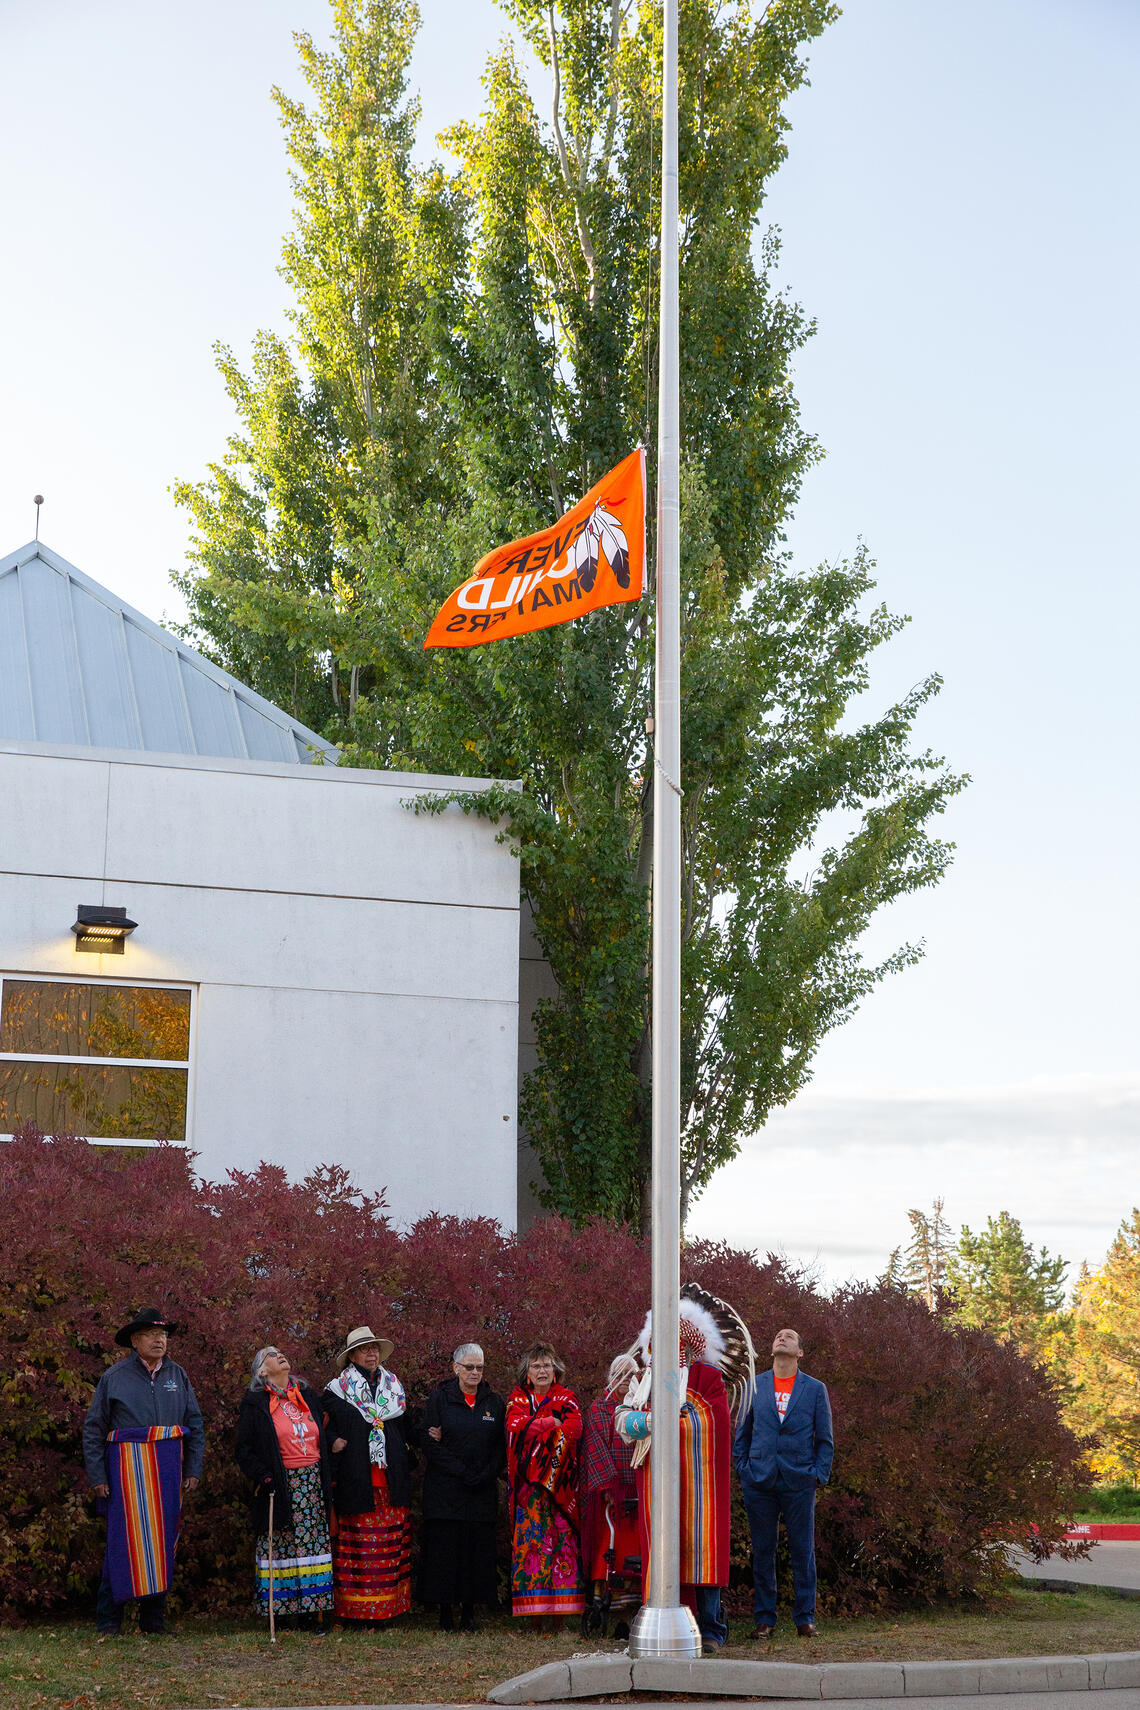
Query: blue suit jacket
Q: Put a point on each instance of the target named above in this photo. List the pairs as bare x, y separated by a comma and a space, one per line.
793, 1453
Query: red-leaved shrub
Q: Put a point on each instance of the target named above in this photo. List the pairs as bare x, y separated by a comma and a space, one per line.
948, 1444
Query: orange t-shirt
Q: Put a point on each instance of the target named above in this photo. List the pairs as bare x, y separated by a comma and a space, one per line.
297, 1432
783, 1387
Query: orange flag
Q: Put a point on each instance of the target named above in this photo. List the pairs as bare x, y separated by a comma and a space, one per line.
594, 557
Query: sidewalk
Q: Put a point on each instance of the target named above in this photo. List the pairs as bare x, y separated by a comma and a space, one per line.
1110, 1566
589, 1676
1123, 1531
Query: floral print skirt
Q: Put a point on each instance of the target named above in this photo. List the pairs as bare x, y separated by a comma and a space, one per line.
546, 1570
302, 1553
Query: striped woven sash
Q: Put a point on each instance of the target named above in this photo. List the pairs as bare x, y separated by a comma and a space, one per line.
144, 1469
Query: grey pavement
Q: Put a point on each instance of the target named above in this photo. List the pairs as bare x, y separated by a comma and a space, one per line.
1126, 1698
1111, 1564
1123, 1698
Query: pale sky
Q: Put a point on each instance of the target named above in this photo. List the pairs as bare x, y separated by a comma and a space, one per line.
959, 215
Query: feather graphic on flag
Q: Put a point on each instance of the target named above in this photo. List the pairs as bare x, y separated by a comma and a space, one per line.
603, 530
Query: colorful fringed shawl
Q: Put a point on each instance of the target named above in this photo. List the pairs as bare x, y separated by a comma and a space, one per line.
706, 1489
542, 1445
542, 1464
144, 1470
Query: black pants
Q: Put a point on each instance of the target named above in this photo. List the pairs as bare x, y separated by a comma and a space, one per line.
458, 1562
109, 1614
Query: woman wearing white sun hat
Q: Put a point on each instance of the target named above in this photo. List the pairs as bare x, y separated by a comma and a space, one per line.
372, 1484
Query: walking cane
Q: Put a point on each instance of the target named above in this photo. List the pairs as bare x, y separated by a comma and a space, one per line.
272, 1625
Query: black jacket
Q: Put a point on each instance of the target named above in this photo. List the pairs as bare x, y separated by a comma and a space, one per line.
353, 1490
464, 1467
258, 1454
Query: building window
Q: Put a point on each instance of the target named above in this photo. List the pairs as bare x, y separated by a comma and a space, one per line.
108, 1062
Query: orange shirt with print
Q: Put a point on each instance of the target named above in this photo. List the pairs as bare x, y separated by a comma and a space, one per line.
783, 1387
298, 1435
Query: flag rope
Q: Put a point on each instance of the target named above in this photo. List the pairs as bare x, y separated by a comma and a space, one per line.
673, 785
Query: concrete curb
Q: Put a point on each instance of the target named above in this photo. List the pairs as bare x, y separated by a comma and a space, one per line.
609, 1672
1037, 1584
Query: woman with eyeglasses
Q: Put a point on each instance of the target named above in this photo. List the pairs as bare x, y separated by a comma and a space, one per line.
283, 1450
465, 1447
544, 1431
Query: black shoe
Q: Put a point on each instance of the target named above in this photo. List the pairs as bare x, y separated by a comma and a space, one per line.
446, 1620
160, 1632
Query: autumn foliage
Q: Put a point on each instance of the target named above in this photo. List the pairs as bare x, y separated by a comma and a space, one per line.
948, 1443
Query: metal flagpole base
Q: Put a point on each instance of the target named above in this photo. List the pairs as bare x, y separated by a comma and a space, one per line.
672, 1634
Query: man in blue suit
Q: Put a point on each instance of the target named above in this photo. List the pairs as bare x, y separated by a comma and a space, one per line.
783, 1450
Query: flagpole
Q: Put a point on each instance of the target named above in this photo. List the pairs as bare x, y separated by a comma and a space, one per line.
664, 1627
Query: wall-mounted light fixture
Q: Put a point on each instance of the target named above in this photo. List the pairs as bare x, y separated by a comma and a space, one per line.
101, 929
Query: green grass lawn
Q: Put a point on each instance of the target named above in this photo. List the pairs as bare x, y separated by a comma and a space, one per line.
60, 1666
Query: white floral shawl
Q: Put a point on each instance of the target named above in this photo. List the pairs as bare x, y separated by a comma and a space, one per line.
388, 1404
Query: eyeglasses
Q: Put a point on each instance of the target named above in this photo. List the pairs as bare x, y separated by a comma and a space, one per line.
477, 1368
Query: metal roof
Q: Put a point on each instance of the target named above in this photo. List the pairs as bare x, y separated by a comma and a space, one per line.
79, 667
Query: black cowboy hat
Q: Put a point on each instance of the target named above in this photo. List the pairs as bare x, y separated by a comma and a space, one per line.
150, 1318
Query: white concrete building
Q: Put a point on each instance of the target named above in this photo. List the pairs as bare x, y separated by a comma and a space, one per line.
316, 975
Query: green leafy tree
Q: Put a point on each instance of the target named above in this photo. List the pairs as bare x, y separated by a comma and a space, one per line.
472, 348
1103, 1364
331, 421
1001, 1284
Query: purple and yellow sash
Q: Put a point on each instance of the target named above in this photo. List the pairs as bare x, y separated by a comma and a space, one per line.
144, 1470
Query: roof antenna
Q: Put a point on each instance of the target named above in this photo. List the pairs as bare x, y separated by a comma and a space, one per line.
38, 501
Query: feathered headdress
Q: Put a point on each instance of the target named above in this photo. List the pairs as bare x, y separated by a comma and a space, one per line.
714, 1332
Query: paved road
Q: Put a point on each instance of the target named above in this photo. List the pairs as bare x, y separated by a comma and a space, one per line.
1109, 1563
1122, 1698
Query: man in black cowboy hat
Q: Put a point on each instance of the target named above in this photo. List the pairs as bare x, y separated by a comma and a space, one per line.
133, 1396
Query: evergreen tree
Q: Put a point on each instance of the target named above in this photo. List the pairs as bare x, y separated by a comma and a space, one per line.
923, 1270
1001, 1284
470, 351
